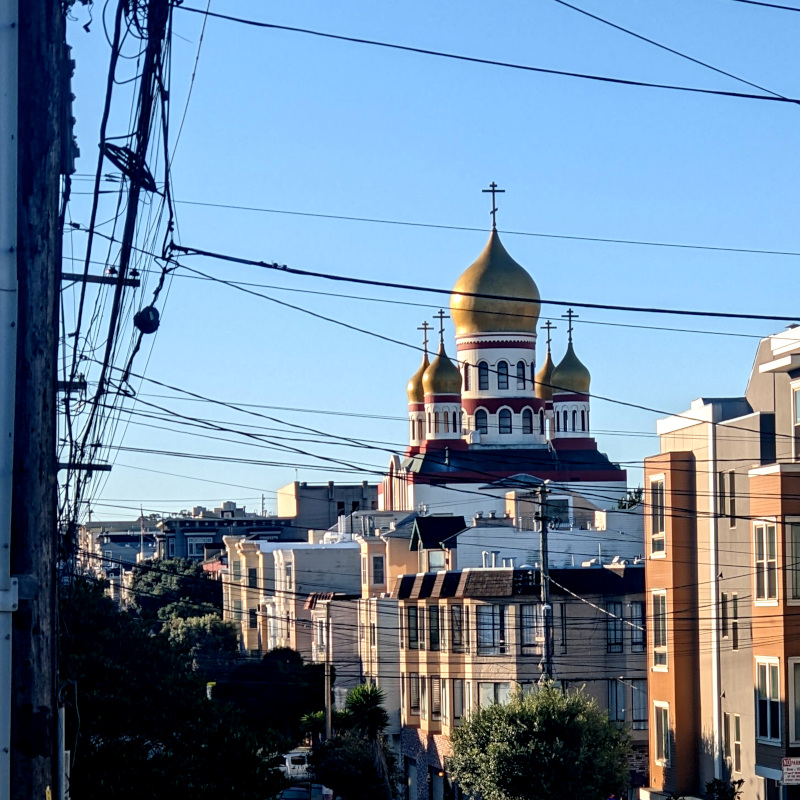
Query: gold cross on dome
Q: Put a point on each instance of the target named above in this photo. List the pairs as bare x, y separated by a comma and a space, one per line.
441, 316
549, 327
570, 315
425, 327
493, 190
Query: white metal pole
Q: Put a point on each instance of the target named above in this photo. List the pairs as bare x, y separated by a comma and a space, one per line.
9, 66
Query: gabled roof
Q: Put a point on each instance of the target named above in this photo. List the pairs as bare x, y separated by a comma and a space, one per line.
431, 533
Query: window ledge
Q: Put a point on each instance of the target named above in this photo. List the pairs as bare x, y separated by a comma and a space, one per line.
766, 603
660, 669
659, 554
770, 742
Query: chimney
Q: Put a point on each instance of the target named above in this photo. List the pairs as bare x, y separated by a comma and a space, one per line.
485, 558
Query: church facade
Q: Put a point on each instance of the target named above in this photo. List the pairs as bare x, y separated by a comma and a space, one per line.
492, 415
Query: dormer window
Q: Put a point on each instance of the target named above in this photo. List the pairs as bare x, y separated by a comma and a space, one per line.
436, 560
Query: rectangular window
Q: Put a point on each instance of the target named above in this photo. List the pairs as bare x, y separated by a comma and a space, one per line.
373, 635
378, 576
421, 624
467, 632
412, 628
413, 692
562, 610
723, 616
768, 711
237, 609
660, 629
737, 743
766, 552
457, 628
531, 626
252, 618
237, 570
614, 629
722, 495
458, 698
436, 697
794, 700
638, 629
662, 734
793, 537
433, 628
491, 693
639, 704
732, 497
616, 700
657, 517
735, 621
364, 570
727, 731
436, 560
195, 544
423, 698
252, 578
491, 627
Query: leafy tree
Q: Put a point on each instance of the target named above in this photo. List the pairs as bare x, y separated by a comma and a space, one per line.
202, 636
717, 789
138, 720
174, 587
345, 763
546, 745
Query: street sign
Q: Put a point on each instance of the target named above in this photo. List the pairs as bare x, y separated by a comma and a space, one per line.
791, 771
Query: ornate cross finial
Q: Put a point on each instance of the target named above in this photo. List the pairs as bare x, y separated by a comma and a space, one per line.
493, 190
441, 316
549, 327
425, 327
570, 315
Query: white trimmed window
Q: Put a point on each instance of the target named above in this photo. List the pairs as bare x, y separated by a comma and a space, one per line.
766, 557
492, 693
768, 702
657, 516
793, 565
659, 629
662, 734
794, 700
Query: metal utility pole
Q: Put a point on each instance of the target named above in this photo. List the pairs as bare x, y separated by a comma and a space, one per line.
544, 570
34, 716
328, 709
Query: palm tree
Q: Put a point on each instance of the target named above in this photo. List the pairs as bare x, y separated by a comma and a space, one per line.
369, 719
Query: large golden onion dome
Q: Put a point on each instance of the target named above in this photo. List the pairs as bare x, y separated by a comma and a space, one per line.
494, 272
571, 375
543, 382
442, 376
416, 394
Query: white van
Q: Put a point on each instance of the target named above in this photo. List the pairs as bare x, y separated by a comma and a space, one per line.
295, 764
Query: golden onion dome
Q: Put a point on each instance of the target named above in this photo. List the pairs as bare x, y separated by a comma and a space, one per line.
571, 375
544, 379
494, 272
442, 376
416, 394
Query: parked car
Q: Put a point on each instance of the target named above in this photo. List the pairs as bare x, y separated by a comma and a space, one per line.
295, 765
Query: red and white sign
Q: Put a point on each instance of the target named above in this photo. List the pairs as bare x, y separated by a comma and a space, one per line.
791, 771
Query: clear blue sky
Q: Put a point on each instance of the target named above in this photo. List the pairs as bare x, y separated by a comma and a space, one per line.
284, 121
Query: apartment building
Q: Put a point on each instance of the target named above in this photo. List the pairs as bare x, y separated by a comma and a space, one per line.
723, 585
470, 637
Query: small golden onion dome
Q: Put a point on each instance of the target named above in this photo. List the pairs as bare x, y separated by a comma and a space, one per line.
495, 272
442, 376
416, 393
544, 379
571, 375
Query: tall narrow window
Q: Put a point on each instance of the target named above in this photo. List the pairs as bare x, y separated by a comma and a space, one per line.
446, 419
614, 629
502, 375
766, 552
735, 621
616, 700
662, 734
639, 629
794, 683
722, 495
732, 497
724, 623
466, 377
737, 743
429, 421
436, 422
563, 612
574, 420
491, 626
659, 629
412, 627
533, 374
413, 692
252, 618
657, 526
541, 422
768, 710
483, 375
433, 627
458, 698
504, 421
455, 422
457, 628
520, 374
378, 573
793, 567
481, 421
639, 704
583, 420
531, 626
436, 697
527, 421
564, 420
252, 578
420, 429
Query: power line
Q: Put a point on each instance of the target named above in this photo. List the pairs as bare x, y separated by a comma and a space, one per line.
486, 61
766, 5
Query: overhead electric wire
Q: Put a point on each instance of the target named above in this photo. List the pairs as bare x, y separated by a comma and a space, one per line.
486, 61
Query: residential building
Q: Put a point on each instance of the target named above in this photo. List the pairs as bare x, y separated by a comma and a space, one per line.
320, 505
723, 544
472, 637
106, 547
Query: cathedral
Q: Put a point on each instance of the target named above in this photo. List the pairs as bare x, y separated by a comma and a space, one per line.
489, 421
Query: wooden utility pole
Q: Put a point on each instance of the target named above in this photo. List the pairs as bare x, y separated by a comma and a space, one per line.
34, 716
544, 572
328, 687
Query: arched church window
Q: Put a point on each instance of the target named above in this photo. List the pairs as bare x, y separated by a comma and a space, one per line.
520, 374
583, 420
502, 375
481, 421
429, 422
420, 431
541, 422
558, 422
504, 421
533, 374
413, 428
527, 421
466, 377
564, 420
436, 421
483, 375
446, 421
455, 422
574, 420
